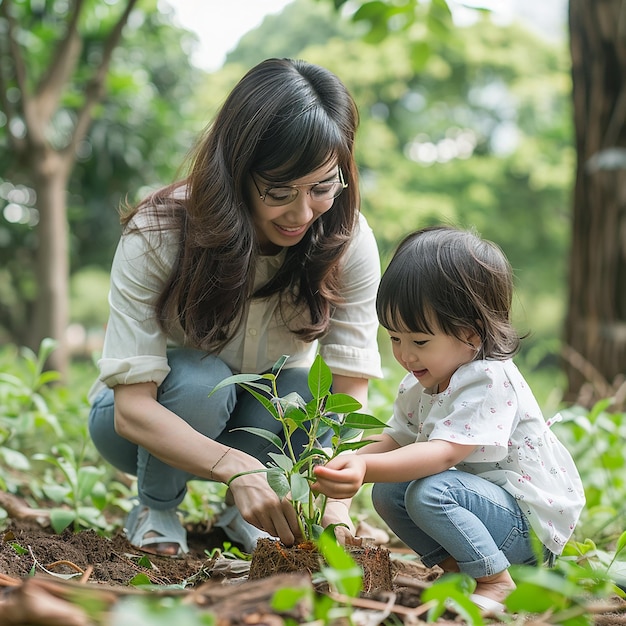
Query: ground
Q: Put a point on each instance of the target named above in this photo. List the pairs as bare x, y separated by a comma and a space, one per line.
36, 564
109, 565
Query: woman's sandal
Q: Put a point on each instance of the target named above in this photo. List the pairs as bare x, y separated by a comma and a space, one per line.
238, 530
165, 525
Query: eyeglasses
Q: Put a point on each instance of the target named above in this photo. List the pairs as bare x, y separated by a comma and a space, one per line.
285, 194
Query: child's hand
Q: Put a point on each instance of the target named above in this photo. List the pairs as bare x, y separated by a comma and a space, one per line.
341, 477
338, 512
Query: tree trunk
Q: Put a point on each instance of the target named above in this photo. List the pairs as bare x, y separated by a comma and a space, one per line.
52, 263
595, 333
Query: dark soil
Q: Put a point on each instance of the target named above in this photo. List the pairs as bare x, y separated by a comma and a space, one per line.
36, 563
26, 545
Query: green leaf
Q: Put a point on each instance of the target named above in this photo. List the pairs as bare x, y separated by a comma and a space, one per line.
263, 399
295, 414
346, 434
300, 488
453, 588
144, 561
362, 421
261, 432
287, 598
351, 445
140, 579
45, 457
343, 573
293, 397
320, 378
91, 516
14, 459
317, 530
313, 457
99, 495
48, 377
420, 52
57, 493
540, 590
279, 364
61, 519
88, 476
282, 460
341, 403
19, 549
279, 483
240, 378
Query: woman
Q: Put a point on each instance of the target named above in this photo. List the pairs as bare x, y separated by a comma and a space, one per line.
260, 251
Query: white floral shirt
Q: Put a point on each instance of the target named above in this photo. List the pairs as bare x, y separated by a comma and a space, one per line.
489, 405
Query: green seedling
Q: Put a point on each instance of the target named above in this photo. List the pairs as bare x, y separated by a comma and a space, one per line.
82, 491
290, 473
23, 408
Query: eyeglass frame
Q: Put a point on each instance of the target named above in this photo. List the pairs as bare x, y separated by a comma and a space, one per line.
263, 194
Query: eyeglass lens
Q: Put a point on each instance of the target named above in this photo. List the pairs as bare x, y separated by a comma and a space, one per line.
319, 192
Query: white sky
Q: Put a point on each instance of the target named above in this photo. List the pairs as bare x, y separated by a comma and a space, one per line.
220, 24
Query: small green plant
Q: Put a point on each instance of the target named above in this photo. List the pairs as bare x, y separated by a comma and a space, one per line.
452, 591
82, 490
290, 473
23, 407
596, 438
228, 551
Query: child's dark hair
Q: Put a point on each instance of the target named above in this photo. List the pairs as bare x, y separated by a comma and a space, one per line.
449, 279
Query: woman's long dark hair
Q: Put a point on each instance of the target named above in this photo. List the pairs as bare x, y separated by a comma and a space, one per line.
444, 278
283, 120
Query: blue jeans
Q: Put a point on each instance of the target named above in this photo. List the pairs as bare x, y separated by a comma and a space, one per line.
459, 515
185, 392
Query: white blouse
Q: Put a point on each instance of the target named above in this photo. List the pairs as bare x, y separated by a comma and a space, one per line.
135, 346
489, 405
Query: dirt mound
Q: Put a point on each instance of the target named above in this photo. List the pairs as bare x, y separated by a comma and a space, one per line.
27, 547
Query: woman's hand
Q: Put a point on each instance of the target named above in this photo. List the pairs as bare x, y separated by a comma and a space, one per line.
258, 504
341, 477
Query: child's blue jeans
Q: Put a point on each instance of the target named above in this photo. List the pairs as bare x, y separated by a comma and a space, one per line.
461, 515
185, 391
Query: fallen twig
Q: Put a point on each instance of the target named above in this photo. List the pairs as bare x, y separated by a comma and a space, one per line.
17, 509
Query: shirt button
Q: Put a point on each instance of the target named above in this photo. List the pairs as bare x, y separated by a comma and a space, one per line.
252, 332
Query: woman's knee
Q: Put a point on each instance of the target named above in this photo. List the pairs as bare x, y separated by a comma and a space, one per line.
187, 389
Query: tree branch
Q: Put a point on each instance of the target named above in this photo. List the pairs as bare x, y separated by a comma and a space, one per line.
17, 509
61, 67
95, 88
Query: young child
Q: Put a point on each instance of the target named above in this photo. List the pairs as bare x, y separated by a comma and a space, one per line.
467, 470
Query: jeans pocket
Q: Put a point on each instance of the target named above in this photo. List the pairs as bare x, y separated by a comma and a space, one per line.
518, 547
